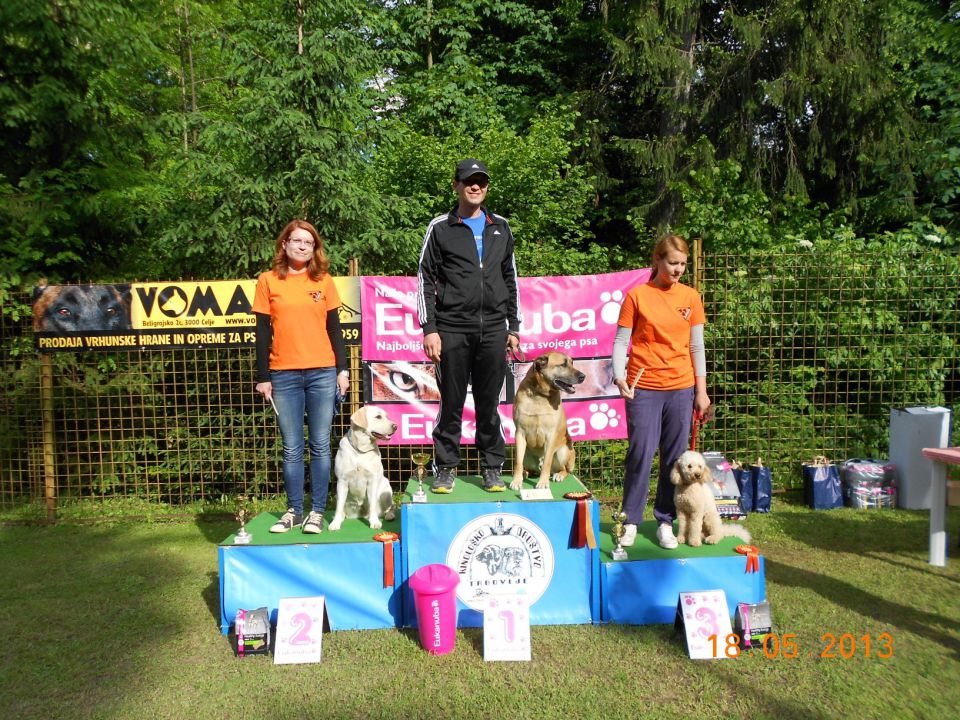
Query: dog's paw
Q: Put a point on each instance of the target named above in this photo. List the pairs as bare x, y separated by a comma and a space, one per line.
335, 525
541, 484
681, 539
560, 476
375, 524
516, 483
390, 514
692, 543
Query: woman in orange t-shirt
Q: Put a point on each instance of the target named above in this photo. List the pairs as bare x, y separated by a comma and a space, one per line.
301, 363
663, 379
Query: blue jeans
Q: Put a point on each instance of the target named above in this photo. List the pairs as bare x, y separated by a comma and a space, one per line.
296, 391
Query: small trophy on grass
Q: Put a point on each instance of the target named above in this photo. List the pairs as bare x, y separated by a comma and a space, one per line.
617, 531
243, 514
420, 459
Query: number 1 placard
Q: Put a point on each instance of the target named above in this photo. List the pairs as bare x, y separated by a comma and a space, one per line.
299, 630
506, 629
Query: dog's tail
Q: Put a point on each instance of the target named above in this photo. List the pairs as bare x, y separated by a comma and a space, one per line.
734, 530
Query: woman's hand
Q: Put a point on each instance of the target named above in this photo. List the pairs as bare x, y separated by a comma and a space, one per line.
265, 389
703, 406
343, 382
626, 392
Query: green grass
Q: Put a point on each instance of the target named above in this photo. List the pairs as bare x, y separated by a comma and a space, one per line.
121, 620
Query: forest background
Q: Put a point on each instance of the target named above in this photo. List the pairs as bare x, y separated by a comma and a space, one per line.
813, 148
164, 139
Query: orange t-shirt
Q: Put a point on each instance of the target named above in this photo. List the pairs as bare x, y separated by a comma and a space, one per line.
298, 308
660, 322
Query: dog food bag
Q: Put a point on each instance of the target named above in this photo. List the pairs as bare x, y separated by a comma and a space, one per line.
869, 483
726, 492
252, 628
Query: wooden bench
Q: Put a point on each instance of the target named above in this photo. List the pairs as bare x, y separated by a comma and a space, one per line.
938, 500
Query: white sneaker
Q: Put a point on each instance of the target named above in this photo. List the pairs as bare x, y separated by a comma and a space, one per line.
666, 537
629, 535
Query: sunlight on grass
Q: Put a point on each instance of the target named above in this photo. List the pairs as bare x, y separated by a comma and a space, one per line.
120, 620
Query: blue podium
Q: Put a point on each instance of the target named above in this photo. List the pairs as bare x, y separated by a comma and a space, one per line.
643, 589
346, 567
500, 544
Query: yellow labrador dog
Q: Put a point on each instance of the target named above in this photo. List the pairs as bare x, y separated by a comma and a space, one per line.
543, 442
362, 488
699, 521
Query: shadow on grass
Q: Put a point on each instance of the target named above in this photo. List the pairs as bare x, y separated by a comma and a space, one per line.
890, 531
929, 570
927, 625
216, 528
211, 596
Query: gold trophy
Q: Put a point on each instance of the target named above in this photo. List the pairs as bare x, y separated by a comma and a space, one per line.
618, 531
420, 459
243, 514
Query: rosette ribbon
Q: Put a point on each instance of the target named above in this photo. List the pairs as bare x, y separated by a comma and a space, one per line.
582, 524
387, 539
753, 556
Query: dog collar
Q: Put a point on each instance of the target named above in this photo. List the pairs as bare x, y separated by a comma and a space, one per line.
359, 451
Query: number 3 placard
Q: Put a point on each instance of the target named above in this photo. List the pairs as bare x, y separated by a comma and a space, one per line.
299, 630
704, 615
506, 629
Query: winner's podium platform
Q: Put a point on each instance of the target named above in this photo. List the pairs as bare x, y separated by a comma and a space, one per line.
643, 589
346, 566
500, 544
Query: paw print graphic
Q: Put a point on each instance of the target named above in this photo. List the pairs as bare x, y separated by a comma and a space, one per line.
610, 312
603, 416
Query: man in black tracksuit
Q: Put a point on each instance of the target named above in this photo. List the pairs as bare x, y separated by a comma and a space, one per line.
469, 309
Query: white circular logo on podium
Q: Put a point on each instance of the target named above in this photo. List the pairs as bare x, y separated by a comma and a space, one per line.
501, 554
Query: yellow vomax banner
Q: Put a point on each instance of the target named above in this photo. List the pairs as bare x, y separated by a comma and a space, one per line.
144, 316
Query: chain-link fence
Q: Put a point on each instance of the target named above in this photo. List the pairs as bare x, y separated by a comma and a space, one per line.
807, 354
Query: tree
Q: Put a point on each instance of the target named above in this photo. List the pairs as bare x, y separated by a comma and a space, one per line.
288, 139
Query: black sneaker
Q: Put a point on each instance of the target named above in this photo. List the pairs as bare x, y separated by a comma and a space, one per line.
492, 481
313, 523
286, 521
443, 482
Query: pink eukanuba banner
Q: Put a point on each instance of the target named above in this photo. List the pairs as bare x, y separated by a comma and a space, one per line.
573, 314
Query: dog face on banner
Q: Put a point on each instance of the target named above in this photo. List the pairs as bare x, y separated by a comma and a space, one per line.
81, 308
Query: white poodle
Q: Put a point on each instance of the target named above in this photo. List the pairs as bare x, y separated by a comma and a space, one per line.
696, 509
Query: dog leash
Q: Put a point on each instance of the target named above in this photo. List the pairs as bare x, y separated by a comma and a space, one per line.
696, 422
514, 357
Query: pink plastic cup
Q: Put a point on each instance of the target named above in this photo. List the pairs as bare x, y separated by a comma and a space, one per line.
435, 598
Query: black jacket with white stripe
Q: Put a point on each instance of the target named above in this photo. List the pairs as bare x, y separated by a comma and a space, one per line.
458, 292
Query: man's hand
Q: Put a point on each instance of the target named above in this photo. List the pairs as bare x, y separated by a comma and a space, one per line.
513, 343
432, 346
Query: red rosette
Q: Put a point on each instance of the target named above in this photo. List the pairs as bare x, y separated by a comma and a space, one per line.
753, 556
387, 538
582, 525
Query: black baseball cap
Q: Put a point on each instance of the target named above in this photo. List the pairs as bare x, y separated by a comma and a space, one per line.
468, 167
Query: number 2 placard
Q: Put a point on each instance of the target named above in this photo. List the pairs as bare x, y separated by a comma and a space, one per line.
299, 630
506, 629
